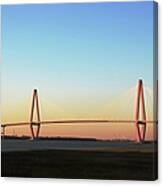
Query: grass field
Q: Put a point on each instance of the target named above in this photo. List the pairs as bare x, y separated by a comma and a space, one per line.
80, 164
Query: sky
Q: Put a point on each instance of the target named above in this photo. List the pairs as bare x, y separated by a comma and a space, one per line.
84, 59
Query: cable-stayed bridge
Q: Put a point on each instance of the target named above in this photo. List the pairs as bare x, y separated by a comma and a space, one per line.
140, 119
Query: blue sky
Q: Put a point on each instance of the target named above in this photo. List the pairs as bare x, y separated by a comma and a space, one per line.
69, 51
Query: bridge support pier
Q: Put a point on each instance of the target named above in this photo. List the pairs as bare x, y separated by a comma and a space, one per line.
140, 106
36, 124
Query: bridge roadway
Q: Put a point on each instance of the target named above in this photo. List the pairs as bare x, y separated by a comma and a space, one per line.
72, 121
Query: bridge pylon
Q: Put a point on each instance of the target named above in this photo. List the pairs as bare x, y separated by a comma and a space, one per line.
35, 124
140, 106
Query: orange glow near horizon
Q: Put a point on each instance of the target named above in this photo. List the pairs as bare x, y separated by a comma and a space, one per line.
98, 131
121, 107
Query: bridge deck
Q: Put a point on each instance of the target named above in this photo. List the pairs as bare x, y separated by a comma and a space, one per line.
72, 122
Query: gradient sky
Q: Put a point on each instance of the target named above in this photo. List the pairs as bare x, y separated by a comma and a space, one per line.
81, 57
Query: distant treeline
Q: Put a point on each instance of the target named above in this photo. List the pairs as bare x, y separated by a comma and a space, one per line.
15, 137
50, 138
68, 138
59, 138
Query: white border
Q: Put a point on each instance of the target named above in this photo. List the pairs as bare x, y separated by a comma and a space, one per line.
70, 182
